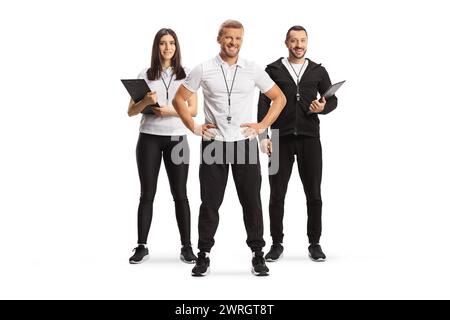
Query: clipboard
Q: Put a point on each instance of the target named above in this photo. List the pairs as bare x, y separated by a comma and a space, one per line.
332, 90
138, 88
328, 93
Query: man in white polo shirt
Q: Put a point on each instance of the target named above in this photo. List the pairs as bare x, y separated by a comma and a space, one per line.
228, 84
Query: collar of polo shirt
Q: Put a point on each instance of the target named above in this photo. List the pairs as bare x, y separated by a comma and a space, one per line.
239, 62
167, 70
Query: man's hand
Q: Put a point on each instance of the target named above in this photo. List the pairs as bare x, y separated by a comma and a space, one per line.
317, 106
266, 146
253, 129
204, 131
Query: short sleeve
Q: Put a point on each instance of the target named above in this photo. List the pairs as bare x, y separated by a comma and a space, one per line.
193, 79
262, 79
143, 74
187, 71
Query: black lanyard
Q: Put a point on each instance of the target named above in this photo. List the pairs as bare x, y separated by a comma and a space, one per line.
167, 87
298, 77
229, 91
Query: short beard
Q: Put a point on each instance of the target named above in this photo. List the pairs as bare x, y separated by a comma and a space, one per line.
295, 56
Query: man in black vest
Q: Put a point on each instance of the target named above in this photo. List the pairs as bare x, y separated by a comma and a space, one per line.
300, 79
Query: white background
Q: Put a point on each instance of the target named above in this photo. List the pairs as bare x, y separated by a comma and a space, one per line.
68, 177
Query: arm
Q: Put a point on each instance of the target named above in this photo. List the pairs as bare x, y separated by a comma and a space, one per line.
186, 92
182, 109
263, 103
324, 106
136, 108
186, 113
278, 103
166, 111
192, 105
263, 108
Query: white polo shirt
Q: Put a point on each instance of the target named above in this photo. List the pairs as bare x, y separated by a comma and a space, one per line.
209, 76
162, 126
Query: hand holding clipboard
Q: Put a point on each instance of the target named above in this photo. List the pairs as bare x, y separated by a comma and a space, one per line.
138, 90
318, 105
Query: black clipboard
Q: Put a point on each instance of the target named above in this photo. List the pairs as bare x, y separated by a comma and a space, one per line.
332, 90
138, 88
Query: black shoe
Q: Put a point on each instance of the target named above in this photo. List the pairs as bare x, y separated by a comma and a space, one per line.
140, 254
315, 253
187, 255
201, 266
275, 253
259, 267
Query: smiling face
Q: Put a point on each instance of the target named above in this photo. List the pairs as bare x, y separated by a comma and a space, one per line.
297, 44
167, 47
230, 42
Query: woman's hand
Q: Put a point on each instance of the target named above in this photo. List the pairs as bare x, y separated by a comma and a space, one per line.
163, 111
136, 108
150, 98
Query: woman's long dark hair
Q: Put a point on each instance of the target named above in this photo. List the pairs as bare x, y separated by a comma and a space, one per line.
156, 66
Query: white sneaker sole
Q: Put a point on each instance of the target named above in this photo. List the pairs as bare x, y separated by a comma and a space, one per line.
318, 260
259, 274
185, 261
201, 274
275, 260
139, 262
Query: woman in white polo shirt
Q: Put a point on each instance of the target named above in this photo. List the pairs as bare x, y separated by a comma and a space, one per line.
163, 137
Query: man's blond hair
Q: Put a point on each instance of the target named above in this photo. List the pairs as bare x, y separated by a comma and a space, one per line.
230, 24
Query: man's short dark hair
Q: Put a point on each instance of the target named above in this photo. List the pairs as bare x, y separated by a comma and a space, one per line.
295, 28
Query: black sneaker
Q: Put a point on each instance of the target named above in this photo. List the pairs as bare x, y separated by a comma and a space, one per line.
275, 253
259, 267
201, 266
187, 255
140, 254
315, 253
